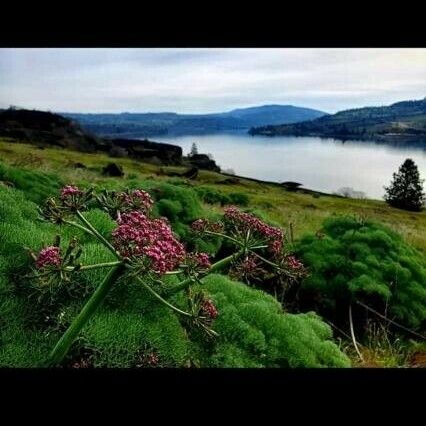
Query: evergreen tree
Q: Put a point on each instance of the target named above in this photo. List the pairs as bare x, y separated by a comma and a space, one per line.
194, 150
406, 189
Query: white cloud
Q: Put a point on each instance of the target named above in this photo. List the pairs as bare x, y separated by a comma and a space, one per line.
208, 80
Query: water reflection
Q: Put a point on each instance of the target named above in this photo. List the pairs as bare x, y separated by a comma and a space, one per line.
323, 164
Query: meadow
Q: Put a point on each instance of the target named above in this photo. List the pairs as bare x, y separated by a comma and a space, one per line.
257, 326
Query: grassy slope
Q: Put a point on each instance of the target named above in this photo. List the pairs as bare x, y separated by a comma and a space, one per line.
305, 211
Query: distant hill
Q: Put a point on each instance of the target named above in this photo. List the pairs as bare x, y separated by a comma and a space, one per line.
155, 124
45, 129
400, 120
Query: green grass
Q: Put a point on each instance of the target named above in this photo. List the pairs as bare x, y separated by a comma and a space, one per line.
254, 332
306, 212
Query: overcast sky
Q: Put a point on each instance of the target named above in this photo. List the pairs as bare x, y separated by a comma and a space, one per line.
208, 80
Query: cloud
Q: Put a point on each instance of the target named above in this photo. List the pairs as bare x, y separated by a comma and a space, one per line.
208, 80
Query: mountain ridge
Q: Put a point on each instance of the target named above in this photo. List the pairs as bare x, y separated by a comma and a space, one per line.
153, 124
404, 119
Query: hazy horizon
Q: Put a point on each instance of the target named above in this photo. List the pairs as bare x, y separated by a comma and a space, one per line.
185, 113
205, 81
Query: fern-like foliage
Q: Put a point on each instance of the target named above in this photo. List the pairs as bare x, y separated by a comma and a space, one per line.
351, 259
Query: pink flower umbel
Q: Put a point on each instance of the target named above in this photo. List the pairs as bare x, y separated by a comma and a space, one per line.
148, 359
137, 200
294, 263
202, 260
199, 225
202, 225
209, 309
247, 268
276, 247
196, 263
73, 198
152, 359
49, 256
243, 222
69, 191
139, 236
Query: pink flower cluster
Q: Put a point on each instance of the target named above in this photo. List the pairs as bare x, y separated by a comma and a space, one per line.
202, 260
276, 247
49, 256
247, 268
249, 265
201, 225
245, 221
137, 200
69, 191
197, 261
294, 263
138, 236
209, 309
152, 359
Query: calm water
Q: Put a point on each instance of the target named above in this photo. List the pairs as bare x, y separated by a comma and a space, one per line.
321, 164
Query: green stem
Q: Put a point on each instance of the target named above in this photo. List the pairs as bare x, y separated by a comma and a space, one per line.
217, 234
267, 261
97, 234
98, 265
214, 268
62, 347
77, 225
155, 294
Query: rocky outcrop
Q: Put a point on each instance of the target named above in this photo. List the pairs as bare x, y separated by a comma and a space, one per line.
203, 161
291, 186
146, 150
192, 173
113, 169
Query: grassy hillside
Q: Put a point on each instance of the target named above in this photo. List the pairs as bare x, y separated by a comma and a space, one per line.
257, 329
402, 119
306, 212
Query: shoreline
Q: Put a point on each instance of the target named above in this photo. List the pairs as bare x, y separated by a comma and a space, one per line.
388, 138
300, 189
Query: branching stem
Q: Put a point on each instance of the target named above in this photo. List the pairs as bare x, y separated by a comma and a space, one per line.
97, 234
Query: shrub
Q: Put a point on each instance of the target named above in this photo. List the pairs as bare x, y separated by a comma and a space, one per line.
355, 260
254, 332
212, 196
239, 198
179, 204
37, 186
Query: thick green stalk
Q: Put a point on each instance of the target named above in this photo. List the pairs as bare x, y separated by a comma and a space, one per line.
62, 347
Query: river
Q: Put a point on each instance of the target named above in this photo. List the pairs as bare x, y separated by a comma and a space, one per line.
320, 164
